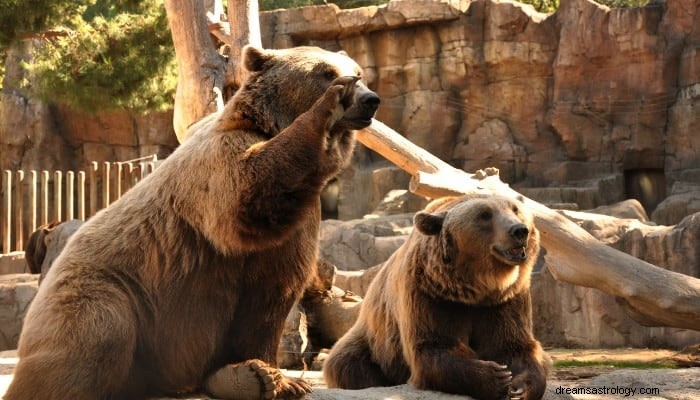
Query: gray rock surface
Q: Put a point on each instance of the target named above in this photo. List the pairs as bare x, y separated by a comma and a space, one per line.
16, 293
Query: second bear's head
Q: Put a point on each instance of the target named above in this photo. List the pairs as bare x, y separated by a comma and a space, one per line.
289, 81
488, 243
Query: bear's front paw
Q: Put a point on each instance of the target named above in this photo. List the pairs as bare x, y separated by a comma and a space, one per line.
250, 380
338, 97
521, 388
292, 388
496, 380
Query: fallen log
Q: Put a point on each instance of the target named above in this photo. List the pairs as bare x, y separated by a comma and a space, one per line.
650, 295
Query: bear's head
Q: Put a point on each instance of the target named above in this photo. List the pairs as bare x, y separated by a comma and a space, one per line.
480, 249
287, 82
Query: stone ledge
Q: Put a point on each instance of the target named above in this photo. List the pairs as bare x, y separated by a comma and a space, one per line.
13, 263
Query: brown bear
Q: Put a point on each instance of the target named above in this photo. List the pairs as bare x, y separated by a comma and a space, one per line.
450, 309
185, 281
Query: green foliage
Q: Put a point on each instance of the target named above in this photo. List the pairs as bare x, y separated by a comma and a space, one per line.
543, 6
622, 3
118, 55
275, 4
19, 17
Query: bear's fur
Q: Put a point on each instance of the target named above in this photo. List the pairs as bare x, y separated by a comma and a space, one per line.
450, 309
193, 271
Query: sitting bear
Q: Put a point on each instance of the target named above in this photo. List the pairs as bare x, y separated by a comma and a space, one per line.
450, 310
185, 281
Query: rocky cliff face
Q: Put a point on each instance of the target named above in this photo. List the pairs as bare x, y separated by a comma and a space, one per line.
567, 98
579, 97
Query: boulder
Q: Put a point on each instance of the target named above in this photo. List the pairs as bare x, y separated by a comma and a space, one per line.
362, 243
16, 293
683, 200
626, 209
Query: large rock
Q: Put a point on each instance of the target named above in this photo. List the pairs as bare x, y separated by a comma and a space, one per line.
16, 293
683, 200
363, 243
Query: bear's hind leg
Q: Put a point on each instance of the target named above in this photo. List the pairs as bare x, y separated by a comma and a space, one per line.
350, 366
86, 353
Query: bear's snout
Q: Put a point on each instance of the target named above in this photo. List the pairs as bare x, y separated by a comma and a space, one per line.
369, 101
519, 232
365, 104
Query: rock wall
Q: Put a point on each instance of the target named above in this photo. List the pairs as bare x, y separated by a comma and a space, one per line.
551, 100
566, 99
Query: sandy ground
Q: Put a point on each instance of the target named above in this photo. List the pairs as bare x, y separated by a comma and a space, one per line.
676, 384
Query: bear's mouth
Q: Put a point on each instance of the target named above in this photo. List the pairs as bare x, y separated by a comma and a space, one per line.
514, 255
357, 123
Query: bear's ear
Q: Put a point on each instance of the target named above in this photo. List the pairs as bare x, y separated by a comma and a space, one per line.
429, 224
254, 58
343, 53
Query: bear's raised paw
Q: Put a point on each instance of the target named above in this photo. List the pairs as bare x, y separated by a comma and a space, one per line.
337, 99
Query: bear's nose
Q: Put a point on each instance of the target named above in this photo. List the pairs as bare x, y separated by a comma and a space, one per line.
370, 102
519, 232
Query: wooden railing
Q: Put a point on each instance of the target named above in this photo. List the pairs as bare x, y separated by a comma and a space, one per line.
34, 198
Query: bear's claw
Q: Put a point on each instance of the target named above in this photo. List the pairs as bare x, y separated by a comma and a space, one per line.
339, 97
253, 380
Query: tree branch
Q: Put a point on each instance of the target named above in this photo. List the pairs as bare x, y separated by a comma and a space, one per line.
652, 296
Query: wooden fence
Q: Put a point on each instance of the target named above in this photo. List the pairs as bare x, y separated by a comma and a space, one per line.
34, 198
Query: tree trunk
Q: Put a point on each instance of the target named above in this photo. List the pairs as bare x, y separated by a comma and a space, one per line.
200, 68
650, 295
245, 29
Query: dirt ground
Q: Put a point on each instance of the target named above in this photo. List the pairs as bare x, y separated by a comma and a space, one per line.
604, 360
589, 363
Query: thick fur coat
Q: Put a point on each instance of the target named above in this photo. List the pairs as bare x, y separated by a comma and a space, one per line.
195, 269
450, 310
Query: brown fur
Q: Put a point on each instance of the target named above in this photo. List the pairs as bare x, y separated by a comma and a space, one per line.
35, 249
198, 265
448, 311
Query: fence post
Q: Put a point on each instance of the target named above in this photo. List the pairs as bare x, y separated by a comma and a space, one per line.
19, 211
7, 206
135, 174
81, 195
70, 182
32, 201
105, 185
118, 180
44, 197
93, 187
57, 181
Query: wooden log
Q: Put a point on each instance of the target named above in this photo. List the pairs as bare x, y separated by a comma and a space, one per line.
652, 296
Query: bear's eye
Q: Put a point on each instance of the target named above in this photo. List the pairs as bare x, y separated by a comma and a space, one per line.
515, 209
485, 215
330, 75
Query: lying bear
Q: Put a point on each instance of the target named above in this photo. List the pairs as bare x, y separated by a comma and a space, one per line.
450, 310
186, 280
